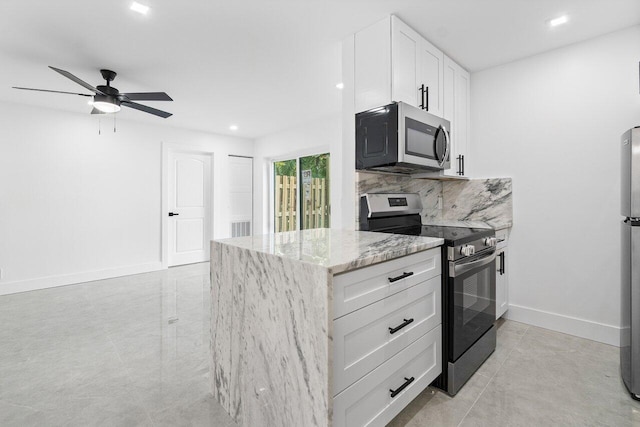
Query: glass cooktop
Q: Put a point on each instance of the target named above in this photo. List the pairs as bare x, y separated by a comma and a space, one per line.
453, 236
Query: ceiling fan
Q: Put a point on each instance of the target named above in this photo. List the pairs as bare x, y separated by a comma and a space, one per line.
108, 99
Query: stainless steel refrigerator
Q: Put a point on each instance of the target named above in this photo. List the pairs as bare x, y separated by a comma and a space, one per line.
630, 277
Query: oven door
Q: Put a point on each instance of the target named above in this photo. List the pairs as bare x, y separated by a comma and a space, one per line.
472, 301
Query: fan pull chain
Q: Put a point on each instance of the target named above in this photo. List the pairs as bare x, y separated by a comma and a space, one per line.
114, 123
99, 132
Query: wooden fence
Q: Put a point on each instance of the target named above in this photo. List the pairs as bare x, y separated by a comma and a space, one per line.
314, 208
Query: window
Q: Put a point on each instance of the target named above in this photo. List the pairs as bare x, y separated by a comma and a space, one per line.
301, 193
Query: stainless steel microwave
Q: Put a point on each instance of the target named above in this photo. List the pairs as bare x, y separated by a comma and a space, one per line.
403, 139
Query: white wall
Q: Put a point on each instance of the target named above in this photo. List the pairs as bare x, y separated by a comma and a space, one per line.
553, 123
321, 136
76, 206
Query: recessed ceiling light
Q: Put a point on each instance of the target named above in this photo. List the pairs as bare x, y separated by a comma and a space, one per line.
140, 8
233, 127
559, 21
340, 85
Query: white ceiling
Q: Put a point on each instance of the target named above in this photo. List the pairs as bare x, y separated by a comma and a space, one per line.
264, 65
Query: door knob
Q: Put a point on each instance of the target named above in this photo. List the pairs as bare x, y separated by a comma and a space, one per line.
173, 214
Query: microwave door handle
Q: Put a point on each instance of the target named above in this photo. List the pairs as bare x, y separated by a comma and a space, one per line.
459, 269
447, 146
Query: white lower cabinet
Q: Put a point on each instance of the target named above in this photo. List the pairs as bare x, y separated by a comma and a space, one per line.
502, 273
387, 337
365, 338
369, 401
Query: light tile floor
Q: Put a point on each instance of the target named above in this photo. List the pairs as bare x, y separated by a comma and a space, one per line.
134, 351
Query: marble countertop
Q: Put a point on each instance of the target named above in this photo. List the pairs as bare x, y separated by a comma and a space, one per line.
337, 250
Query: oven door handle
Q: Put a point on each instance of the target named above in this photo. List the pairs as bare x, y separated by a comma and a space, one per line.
457, 270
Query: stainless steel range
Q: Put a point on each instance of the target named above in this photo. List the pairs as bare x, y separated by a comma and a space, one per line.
468, 281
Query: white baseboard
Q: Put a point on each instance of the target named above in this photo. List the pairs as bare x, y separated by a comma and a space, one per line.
71, 279
582, 328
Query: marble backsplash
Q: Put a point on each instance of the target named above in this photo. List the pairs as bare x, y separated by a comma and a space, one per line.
430, 191
489, 200
476, 200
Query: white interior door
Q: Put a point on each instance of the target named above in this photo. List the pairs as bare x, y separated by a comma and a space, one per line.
241, 195
189, 208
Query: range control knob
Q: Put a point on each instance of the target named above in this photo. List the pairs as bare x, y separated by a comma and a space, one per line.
467, 250
490, 241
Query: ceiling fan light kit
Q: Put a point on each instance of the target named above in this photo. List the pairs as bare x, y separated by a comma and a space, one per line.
106, 104
107, 99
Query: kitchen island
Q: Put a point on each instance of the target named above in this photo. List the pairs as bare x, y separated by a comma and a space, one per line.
272, 318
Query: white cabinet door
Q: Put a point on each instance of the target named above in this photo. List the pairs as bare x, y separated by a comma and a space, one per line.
448, 89
405, 51
417, 69
448, 111
430, 74
502, 274
463, 85
372, 66
456, 105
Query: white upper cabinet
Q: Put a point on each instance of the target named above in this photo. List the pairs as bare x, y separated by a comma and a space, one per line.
456, 109
405, 48
395, 63
372, 79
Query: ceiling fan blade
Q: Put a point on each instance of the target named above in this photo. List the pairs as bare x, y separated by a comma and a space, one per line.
77, 80
146, 109
148, 96
52, 91
96, 111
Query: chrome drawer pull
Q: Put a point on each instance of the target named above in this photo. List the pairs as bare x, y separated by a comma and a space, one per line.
402, 276
408, 381
397, 328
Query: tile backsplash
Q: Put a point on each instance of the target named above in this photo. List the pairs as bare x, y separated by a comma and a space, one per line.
486, 200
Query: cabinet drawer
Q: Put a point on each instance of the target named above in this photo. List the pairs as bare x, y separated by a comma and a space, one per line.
356, 289
368, 402
362, 340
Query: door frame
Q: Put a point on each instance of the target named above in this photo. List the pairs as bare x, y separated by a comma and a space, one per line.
167, 149
294, 155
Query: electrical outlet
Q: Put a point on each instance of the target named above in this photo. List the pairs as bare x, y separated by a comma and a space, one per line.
439, 206
1, 274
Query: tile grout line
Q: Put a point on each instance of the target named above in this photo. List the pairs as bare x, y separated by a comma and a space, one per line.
493, 376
